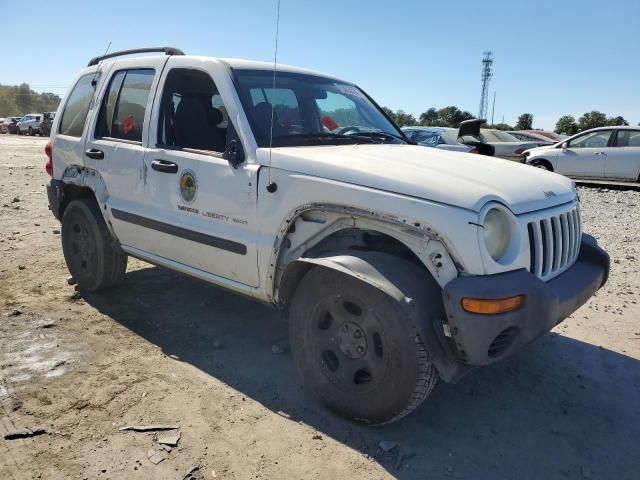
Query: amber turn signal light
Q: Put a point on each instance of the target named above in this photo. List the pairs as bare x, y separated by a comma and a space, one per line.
485, 306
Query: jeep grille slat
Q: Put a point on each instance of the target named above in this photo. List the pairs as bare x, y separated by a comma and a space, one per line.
554, 242
565, 235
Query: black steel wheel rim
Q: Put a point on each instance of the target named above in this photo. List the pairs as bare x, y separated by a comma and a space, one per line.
346, 339
82, 248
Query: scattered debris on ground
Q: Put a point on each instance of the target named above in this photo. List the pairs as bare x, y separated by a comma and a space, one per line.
24, 433
149, 428
170, 439
156, 457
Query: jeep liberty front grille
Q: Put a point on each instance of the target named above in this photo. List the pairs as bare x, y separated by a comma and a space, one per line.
554, 243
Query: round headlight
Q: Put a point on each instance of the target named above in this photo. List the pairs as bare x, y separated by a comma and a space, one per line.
497, 233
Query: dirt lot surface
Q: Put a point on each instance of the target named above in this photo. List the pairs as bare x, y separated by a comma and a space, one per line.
166, 349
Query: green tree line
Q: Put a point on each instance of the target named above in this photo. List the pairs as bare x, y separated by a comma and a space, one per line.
452, 116
16, 101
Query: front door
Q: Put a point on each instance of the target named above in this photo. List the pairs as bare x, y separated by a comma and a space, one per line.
201, 209
585, 156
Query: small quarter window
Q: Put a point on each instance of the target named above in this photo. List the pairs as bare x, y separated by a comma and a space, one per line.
124, 105
75, 111
628, 138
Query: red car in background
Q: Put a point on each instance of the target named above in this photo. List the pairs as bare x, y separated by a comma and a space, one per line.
9, 125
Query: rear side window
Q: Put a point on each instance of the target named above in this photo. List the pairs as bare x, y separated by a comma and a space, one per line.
123, 106
77, 106
597, 139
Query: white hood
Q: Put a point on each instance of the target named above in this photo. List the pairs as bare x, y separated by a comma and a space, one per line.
540, 149
460, 179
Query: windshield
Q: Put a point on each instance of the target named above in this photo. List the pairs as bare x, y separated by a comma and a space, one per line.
310, 110
498, 136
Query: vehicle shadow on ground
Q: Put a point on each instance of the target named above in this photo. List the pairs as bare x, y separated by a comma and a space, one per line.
560, 409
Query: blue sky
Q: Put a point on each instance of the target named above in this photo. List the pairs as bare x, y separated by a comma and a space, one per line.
551, 57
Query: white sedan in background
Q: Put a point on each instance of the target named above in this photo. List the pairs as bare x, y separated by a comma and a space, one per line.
606, 153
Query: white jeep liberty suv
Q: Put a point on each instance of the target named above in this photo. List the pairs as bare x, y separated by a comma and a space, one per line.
397, 264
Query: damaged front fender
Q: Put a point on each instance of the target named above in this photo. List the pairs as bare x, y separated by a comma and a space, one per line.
411, 286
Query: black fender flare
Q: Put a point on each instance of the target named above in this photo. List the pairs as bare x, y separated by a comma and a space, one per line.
412, 287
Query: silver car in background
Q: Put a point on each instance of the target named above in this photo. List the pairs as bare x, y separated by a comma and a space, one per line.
30, 124
506, 145
527, 136
606, 153
437, 137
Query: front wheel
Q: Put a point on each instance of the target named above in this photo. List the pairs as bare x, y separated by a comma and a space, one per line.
357, 348
542, 166
87, 246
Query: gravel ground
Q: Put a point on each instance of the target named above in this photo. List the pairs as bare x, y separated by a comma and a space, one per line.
168, 349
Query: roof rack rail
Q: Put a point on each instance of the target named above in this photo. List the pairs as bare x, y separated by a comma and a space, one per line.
166, 50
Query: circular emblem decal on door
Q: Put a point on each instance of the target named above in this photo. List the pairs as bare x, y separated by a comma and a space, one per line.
188, 186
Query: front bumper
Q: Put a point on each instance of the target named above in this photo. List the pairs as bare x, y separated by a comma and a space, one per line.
483, 339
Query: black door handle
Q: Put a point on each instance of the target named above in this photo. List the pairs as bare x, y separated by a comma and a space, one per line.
164, 166
95, 154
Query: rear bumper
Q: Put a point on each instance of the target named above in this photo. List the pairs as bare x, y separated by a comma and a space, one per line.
54, 194
483, 339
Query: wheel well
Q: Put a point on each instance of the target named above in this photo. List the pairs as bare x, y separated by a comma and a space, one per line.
543, 161
73, 192
343, 240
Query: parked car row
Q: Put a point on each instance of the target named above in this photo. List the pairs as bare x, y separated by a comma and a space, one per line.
471, 138
9, 125
606, 153
30, 124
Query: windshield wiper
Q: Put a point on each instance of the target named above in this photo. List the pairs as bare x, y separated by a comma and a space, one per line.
286, 139
385, 135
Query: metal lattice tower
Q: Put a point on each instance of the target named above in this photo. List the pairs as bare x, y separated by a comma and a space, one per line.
487, 73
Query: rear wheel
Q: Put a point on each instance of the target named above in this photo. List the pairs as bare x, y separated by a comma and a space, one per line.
357, 348
91, 258
31, 134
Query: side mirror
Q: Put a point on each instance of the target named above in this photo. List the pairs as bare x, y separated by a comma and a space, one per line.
564, 146
233, 154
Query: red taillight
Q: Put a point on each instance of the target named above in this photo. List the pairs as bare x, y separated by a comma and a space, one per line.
519, 151
49, 165
473, 150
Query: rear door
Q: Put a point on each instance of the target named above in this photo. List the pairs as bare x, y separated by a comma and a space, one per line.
200, 210
585, 155
115, 142
623, 158
68, 140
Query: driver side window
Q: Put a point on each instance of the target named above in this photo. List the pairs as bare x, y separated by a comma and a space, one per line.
592, 140
192, 115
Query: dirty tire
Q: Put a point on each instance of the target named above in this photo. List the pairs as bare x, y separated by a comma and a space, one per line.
87, 247
380, 376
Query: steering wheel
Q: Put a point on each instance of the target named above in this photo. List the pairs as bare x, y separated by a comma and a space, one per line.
349, 130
